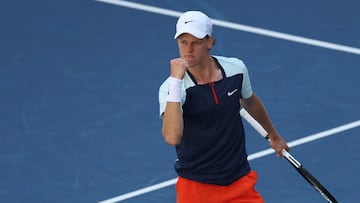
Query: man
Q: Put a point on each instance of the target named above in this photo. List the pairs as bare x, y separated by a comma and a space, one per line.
199, 105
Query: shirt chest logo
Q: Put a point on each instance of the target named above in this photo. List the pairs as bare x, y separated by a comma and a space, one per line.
230, 93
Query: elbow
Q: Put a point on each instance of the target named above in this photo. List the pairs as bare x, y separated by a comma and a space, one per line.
172, 142
172, 138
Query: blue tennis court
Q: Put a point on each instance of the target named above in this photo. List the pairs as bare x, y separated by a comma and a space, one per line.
79, 95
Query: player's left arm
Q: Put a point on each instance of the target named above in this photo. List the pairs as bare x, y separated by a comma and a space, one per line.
256, 109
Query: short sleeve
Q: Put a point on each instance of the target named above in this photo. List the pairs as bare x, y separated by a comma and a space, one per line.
246, 90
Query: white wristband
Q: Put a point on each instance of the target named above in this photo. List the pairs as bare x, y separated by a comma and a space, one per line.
174, 91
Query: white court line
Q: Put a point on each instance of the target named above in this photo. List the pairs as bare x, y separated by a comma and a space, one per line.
257, 155
241, 27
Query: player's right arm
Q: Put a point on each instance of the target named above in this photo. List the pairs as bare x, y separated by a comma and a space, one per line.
173, 123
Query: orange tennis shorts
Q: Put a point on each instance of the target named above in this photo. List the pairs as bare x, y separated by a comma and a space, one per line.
240, 191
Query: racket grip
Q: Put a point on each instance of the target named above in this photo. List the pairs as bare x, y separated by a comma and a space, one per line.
256, 125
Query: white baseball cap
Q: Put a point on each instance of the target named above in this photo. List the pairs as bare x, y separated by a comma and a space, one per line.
195, 23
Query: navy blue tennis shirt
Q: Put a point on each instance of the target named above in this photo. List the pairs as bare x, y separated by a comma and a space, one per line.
212, 149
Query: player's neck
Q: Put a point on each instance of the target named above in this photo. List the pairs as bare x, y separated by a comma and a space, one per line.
206, 72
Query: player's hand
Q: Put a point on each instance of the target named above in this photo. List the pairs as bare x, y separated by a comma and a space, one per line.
278, 144
178, 67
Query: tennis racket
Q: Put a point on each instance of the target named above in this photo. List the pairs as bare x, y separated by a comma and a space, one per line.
296, 164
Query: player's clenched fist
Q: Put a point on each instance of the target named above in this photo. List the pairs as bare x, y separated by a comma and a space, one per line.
178, 67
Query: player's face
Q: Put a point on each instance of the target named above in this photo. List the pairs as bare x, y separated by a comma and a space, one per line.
194, 50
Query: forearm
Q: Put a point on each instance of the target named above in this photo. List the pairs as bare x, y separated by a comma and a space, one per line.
256, 109
173, 123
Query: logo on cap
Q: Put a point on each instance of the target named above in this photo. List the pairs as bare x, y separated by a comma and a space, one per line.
189, 21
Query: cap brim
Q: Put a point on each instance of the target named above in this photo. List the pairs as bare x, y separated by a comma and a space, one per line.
195, 34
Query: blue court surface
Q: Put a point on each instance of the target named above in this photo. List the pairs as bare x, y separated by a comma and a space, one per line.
79, 95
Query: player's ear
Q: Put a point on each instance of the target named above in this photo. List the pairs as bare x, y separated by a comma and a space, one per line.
211, 41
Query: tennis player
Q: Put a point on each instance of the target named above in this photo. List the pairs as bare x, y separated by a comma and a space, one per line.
199, 105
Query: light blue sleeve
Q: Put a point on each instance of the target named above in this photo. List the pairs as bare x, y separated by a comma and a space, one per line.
246, 90
163, 92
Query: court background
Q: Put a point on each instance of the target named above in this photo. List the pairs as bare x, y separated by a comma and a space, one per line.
78, 96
